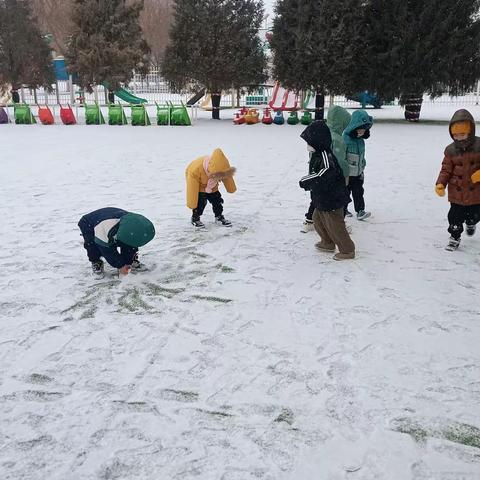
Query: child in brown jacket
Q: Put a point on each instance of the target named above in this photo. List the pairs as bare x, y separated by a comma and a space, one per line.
461, 173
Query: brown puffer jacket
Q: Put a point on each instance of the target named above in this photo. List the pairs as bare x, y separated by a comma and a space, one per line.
461, 160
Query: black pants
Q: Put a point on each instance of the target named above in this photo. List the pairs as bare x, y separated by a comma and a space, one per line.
214, 198
355, 188
93, 252
460, 214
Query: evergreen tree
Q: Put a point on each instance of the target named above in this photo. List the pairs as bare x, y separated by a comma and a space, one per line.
106, 43
316, 46
416, 47
24, 54
214, 44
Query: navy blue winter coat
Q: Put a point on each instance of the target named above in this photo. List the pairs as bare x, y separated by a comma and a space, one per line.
101, 227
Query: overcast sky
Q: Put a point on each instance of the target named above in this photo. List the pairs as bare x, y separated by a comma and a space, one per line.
269, 7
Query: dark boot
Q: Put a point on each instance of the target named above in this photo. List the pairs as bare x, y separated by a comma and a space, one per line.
137, 265
453, 244
221, 219
97, 269
196, 222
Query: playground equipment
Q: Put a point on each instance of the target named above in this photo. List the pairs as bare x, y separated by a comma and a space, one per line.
240, 116
267, 117
23, 114
67, 116
3, 116
116, 115
283, 99
365, 98
293, 118
193, 100
163, 114
140, 115
6, 97
251, 117
171, 114
309, 95
206, 103
179, 115
238, 120
125, 95
60, 69
45, 115
306, 118
279, 119
256, 100
93, 115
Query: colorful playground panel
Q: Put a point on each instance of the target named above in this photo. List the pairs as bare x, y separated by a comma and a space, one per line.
116, 115
45, 115
140, 115
93, 115
23, 114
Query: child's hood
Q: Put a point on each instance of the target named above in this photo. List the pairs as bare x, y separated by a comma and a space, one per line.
219, 164
338, 119
360, 118
135, 230
463, 116
318, 136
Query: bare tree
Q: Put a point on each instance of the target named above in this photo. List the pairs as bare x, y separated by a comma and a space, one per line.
54, 17
155, 21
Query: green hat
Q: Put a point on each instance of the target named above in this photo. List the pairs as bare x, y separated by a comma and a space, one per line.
135, 230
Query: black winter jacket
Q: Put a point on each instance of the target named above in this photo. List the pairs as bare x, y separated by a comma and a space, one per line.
325, 180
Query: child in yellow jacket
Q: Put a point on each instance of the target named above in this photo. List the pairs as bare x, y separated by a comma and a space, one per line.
203, 176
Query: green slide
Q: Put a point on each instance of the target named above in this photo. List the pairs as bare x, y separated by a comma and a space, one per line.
128, 97
125, 95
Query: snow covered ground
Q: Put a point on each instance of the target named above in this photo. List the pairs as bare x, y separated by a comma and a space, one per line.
243, 353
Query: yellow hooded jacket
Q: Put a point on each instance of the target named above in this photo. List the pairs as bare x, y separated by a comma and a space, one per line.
197, 179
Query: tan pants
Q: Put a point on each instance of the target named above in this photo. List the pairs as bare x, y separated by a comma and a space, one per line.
332, 230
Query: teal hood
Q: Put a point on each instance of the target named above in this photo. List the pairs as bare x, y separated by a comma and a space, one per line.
360, 118
338, 119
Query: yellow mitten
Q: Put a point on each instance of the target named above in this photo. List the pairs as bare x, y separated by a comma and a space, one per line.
440, 189
476, 177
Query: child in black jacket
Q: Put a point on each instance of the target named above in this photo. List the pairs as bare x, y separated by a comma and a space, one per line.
329, 193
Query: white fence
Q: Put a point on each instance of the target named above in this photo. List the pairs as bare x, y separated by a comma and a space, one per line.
153, 88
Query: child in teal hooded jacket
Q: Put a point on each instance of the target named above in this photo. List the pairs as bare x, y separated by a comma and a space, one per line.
354, 136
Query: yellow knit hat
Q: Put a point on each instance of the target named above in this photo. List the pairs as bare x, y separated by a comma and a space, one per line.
461, 128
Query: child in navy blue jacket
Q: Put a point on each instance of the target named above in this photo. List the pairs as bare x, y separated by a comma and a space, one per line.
109, 229
329, 193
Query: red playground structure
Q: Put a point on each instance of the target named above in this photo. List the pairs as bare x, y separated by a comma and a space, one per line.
283, 99
45, 115
67, 116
